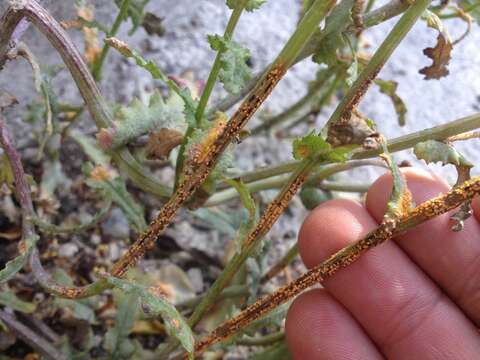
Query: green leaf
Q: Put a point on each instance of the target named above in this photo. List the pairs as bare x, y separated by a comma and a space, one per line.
311, 197
136, 12
9, 299
309, 145
250, 5
433, 151
117, 342
189, 104
15, 265
234, 71
138, 119
155, 305
90, 148
389, 88
313, 145
332, 40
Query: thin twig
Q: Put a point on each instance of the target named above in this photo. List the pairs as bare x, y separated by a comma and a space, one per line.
37, 343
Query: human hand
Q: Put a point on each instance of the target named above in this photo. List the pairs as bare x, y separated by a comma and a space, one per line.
416, 297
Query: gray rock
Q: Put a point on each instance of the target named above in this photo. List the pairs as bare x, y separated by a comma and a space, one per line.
116, 225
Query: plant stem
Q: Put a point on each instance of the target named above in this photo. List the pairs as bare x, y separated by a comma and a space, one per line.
212, 77
197, 173
282, 264
296, 107
95, 102
261, 340
360, 86
345, 187
274, 182
121, 16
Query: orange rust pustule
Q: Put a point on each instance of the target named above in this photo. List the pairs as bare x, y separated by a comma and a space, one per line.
195, 177
341, 259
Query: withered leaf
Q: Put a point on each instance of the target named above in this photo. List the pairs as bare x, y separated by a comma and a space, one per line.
162, 142
440, 55
352, 130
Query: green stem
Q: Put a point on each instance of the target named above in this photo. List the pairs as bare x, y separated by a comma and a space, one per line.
383, 53
233, 291
296, 107
275, 182
345, 187
121, 16
261, 340
212, 78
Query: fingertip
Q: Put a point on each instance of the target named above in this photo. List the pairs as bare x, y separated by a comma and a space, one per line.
331, 226
422, 184
318, 327
476, 207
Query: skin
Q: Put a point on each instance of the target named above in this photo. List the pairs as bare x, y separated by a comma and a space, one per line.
416, 297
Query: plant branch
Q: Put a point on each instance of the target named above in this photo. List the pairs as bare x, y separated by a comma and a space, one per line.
197, 173
121, 16
72, 58
343, 258
38, 343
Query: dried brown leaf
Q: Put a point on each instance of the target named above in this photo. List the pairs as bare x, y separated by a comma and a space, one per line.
162, 142
440, 55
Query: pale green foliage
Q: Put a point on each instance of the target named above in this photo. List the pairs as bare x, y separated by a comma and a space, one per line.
9, 299
234, 72
433, 151
136, 12
154, 306
189, 104
250, 5
138, 118
333, 40
116, 341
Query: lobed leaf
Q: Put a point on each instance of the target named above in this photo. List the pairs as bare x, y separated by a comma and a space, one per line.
184, 93
313, 145
136, 12
234, 72
433, 151
441, 52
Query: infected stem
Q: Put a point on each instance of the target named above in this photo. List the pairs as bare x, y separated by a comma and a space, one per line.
343, 258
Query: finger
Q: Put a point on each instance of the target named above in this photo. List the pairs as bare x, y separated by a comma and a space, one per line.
476, 207
451, 259
399, 307
319, 328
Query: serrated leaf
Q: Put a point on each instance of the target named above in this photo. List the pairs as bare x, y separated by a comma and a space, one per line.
9, 299
234, 71
309, 145
441, 52
14, 266
138, 119
136, 12
433, 151
389, 88
313, 145
117, 342
155, 305
250, 5
332, 40
184, 93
